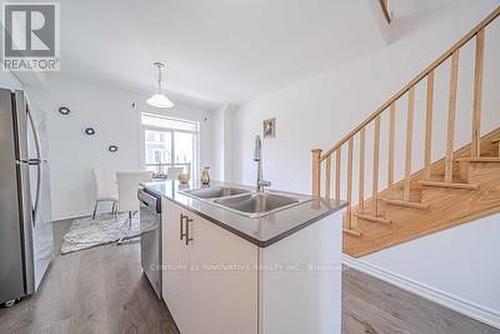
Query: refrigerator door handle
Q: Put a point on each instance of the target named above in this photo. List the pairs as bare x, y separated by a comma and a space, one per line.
36, 162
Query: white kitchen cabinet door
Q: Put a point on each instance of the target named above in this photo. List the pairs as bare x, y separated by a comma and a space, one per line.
223, 281
175, 258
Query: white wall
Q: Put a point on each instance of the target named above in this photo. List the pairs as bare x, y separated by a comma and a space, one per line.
317, 112
110, 111
218, 168
461, 262
223, 137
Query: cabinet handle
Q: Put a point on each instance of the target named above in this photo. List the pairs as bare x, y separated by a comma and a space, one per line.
181, 221
188, 238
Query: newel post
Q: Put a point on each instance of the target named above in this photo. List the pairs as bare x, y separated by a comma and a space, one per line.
316, 171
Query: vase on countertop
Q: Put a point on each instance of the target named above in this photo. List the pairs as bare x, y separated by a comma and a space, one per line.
205, 176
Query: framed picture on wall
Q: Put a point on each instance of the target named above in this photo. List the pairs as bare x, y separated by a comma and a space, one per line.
269, 128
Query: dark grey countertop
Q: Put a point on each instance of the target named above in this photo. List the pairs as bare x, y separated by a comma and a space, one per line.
263, 231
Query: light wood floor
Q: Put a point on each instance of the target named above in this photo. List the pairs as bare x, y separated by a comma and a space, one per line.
370, 305
99, 290
102, 290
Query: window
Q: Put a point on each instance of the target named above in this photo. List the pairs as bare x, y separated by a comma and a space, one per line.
158, 155
158, 121
170, 142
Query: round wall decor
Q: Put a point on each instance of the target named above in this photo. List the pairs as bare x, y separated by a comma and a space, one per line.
89, 131
63, 110
113, 148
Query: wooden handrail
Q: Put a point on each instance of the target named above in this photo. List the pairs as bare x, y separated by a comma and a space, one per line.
414, 81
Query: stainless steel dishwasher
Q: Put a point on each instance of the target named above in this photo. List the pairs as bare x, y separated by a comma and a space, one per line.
151, 245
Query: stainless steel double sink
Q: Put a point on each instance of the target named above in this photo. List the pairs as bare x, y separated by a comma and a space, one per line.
245, 202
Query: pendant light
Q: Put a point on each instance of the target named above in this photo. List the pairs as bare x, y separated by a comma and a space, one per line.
159, 100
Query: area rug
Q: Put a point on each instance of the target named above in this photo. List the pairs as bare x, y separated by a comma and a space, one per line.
86, 233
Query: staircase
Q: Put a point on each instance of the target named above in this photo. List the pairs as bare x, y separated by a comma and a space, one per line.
463, 186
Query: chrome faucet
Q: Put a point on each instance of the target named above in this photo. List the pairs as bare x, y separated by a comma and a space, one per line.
257, 157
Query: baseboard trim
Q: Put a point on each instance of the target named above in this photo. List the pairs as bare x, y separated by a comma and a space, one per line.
71, 216
465, 307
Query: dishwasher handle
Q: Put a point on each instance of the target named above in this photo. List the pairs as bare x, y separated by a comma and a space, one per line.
149, 200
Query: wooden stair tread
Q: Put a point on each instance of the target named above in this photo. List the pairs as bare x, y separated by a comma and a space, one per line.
407, 204
456, 185
439, 177
373, 219
352, 232
397, 193
480, 159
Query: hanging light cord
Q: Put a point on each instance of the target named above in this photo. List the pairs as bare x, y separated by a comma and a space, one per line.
159, 100
159, 78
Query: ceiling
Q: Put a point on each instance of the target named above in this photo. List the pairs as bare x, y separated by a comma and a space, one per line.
216, 51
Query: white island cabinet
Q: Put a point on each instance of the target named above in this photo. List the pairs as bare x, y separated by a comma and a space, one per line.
220, 283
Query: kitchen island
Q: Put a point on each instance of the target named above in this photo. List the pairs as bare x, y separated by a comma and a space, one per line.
228, 270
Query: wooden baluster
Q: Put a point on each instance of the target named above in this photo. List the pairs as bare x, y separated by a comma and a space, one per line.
349, 183
392, 133
316, 169
337, 173
409, 143
328, 172
428, 125
361, 194
478, 91
376, 151
452, 105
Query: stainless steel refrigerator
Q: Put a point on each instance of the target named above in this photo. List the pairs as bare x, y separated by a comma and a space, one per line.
26, 245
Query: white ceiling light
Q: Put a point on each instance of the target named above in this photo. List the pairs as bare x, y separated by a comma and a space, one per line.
159, 100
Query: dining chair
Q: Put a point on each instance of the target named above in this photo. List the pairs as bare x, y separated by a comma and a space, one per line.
128, 184
106, 190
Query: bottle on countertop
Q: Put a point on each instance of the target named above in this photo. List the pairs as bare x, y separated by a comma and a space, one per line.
205, 176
